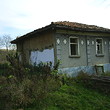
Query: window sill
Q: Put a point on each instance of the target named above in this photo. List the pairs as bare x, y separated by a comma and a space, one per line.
74, 56
99, 55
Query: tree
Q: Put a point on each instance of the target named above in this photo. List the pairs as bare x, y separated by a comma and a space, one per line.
1, 43
5, 42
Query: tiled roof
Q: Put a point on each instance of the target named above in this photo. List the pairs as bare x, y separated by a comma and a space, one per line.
64, 25
80, 26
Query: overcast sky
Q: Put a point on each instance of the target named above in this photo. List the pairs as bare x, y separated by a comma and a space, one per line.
18, 17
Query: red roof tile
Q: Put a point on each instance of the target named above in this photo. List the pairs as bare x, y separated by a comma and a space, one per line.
80, 25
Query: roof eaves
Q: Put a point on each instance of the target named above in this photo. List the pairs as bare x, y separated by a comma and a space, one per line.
32, 33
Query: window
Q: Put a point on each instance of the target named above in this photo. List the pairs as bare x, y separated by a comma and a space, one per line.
74, 46
99, 46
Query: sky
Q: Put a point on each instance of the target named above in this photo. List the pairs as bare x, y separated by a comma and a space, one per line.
18, 17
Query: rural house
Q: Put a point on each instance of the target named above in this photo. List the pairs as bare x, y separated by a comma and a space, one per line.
79, 47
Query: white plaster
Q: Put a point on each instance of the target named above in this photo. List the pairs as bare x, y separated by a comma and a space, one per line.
93, 42
58, 41
88, 42
82, 42
46, 55
65, 41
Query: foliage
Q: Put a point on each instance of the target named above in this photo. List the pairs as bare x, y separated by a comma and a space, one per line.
23, 85
105, 74
3, 54
73, 95
83, 78
26, 92
4, 68
40, 87
99, 83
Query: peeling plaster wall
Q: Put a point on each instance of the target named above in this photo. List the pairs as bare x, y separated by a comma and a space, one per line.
53, 47
47, 55
40, 43
74, 71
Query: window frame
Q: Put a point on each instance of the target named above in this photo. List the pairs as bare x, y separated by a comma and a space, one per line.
100, 54
76, 56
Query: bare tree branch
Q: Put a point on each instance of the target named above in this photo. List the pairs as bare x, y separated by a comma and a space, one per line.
5, 42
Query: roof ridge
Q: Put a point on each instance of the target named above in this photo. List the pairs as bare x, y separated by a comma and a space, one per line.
79, 25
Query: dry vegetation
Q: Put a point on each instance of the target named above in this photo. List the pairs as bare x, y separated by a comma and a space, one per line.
3, 54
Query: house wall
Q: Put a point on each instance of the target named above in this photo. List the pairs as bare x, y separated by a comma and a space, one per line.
47, 55
93, 58
57, 46
39, 43
63, 52
87, 49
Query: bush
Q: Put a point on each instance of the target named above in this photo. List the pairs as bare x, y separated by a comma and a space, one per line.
98, 83
4, 68
105, 74
20, 94
83, 77
25, 85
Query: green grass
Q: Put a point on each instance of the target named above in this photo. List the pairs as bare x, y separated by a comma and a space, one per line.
75, 97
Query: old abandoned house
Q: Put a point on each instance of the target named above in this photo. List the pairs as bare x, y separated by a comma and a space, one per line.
79, 47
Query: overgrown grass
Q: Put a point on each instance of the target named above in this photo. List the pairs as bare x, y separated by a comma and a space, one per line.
75, 97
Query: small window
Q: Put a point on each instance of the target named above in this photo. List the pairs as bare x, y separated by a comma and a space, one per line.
99, 46
74, 46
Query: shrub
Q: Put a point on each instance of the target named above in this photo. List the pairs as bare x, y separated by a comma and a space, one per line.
4, 68
98, 83
83, 77
24, 85
105, 74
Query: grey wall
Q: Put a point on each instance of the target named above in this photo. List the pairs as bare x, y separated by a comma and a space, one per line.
87, 51
98, 59
63, 52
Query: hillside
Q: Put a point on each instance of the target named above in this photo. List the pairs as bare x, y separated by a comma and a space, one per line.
75, 97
